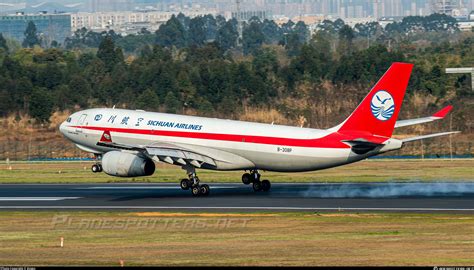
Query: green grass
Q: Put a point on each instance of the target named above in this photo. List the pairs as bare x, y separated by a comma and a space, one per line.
364, 171
295, 239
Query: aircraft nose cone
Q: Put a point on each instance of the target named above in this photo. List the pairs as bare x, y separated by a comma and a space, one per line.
62, 128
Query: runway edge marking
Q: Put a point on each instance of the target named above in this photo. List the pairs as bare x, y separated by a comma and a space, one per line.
240, 208
25, 199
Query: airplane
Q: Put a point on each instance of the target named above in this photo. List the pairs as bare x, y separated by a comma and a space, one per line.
126, 143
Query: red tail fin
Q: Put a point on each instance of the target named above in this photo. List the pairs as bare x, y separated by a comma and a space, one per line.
378, 112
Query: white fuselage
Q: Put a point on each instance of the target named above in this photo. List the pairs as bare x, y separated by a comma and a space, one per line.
235, 145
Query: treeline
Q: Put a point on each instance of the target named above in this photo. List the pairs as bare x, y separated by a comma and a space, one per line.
198, 66
181, 31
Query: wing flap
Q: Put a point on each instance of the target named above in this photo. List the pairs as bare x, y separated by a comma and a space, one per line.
179, 154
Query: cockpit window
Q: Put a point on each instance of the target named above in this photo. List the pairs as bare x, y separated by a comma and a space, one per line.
69, 120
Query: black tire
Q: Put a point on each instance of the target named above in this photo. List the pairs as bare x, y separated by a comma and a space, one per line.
266, 185
246, 178
95, 168
196, 191
100, 167
257, 186
205, 190
185, 184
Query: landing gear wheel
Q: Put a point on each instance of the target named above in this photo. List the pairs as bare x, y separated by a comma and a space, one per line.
266, 185
196, 190
185, 184
246, 178
205, 190
257, 186
96, 168
100, 167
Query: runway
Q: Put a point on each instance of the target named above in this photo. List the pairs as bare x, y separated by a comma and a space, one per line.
394, 197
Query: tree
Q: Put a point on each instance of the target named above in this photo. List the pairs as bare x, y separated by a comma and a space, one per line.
172, 33
272, 32
31, 37
301, 29
346, 36
108, 53
148, 101
265, 63
227, 35
41, 104
172, 103
80, 90
197, 32
314, 61
3, 43
293, 44
326, 26
253, 37
211, 26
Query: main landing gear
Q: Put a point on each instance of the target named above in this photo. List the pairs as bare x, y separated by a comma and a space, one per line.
193, 183
254, 178
97, 167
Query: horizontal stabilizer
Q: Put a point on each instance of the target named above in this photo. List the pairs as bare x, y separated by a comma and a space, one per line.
437, 116
429, 136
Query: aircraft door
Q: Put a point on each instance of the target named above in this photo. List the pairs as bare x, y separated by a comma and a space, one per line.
80, 123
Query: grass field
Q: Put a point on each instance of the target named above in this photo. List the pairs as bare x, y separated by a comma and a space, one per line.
364, 171
90, 238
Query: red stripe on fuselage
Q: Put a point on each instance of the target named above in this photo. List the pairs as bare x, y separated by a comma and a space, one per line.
333, 140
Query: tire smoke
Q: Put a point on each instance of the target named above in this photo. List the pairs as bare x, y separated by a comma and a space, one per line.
387, 190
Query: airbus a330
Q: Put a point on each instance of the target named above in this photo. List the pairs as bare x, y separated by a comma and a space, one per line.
127, 143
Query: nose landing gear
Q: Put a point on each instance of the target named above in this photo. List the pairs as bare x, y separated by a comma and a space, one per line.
254, 178
96, 168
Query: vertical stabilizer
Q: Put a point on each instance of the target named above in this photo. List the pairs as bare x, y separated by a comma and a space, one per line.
378, 112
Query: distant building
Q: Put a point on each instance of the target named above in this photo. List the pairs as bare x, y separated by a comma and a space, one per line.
466, 23
126, 22
51, 26
248, 14
454, 8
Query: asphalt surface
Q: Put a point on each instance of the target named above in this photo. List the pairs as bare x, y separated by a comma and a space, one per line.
396, 197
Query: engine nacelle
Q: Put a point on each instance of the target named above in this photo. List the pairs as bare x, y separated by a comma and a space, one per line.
116, 163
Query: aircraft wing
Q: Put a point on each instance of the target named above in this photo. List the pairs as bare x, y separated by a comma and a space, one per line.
166, 152
437, 116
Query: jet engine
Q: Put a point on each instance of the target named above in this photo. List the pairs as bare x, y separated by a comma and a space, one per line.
123, 164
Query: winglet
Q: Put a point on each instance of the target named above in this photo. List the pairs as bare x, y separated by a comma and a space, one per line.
443, 112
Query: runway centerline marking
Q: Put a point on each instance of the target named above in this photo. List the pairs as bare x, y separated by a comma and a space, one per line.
27, 199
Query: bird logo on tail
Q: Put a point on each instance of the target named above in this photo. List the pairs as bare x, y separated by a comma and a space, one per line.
382, 105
